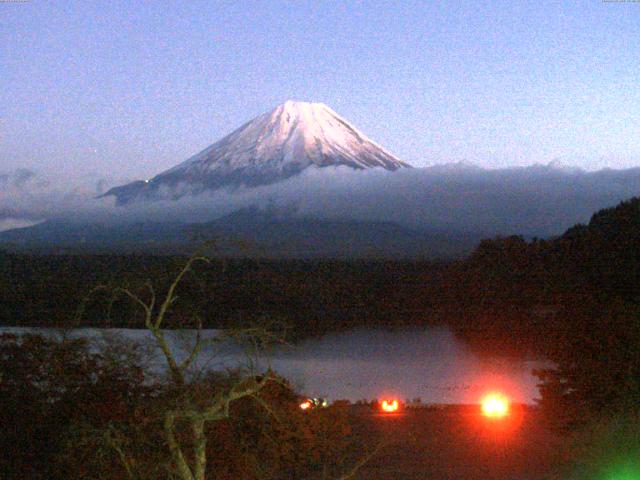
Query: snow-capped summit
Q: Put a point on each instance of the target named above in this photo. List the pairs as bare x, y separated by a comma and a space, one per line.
269, 148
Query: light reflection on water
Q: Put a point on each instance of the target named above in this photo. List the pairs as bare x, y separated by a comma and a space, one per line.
430, 364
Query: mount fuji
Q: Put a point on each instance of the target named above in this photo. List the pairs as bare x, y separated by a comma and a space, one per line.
272, 147
370, 204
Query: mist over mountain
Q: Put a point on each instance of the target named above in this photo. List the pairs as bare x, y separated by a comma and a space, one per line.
302, 170
538, 201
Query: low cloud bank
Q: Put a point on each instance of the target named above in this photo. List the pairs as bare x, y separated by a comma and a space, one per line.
538, 200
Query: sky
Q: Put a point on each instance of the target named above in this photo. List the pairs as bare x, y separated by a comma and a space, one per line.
127, 89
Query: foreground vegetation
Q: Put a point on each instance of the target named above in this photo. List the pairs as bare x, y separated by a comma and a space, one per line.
68, 413
572, 300
102, 410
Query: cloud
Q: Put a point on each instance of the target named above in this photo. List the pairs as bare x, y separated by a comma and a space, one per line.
18, 178
9, 223
538, 200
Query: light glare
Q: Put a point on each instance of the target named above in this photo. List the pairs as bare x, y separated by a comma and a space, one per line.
495, 405
389, 406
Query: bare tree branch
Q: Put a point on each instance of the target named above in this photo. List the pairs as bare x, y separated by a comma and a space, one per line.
113, 440
170, 297
361, 463
197, 347
174, 447
190, 409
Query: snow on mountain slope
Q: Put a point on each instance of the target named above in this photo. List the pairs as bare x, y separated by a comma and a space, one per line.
269, 148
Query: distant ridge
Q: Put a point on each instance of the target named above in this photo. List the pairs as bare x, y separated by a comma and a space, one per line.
250, 232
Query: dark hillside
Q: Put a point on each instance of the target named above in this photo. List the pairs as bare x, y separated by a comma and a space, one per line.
314, 296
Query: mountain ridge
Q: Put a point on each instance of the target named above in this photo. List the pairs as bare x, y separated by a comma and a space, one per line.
249, 232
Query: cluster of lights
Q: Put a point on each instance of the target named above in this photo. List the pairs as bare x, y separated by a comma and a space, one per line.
493, 405
311, 403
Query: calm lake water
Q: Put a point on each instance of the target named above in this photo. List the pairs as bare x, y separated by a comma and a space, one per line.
430, 363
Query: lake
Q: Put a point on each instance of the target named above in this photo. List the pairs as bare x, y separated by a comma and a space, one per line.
427, 363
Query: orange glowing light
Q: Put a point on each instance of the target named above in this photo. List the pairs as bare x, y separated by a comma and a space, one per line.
389, 406
495, 405
305, 405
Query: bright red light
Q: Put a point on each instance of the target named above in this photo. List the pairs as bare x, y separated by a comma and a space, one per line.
389, 406
495, 405
306, 405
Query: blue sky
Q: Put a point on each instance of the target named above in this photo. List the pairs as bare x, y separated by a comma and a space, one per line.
132, 88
